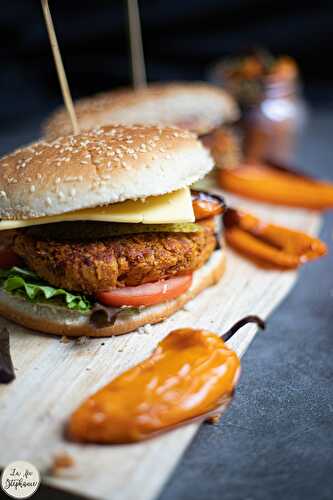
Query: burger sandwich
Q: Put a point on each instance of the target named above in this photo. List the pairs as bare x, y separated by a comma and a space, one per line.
101, 233
202, 108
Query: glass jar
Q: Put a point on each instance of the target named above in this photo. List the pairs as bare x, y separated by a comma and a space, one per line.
273, 126
268, 91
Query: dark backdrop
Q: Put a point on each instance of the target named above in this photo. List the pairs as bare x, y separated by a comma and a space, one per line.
181, 39
289, 438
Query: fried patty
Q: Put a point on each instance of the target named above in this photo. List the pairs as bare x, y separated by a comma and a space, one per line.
132, 260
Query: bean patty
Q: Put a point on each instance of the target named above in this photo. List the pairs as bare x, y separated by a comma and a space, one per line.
132, 260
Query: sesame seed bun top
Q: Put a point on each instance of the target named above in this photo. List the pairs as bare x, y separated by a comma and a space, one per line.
199, 107
99, 167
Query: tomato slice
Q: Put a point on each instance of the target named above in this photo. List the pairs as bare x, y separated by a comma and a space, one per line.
147, 294
8, 258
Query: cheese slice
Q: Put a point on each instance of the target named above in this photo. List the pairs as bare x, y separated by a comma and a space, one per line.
168, 208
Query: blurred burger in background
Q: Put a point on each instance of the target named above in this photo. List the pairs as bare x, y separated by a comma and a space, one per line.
204, 109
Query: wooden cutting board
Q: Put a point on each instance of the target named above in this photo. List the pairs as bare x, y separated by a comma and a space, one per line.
54, 377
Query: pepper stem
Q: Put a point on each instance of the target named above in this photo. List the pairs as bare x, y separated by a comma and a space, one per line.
242, 322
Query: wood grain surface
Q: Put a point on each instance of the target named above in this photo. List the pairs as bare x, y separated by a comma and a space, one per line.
53, 377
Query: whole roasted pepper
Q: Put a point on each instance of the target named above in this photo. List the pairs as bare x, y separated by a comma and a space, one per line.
190, 376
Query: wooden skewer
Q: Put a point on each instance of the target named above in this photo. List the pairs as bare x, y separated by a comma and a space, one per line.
135, 36
60, 67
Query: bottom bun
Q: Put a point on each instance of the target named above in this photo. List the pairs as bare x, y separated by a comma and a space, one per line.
60, 321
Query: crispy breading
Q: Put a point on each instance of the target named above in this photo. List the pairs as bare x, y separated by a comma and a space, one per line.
132, 260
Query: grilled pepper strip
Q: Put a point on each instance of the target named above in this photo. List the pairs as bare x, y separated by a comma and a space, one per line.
278, 186
270, 243
206, 205
190, 376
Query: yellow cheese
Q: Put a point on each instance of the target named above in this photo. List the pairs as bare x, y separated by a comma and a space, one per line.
168, 208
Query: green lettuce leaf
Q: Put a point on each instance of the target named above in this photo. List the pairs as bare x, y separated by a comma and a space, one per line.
18, 281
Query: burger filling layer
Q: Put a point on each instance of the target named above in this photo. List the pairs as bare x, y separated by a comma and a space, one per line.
79, 264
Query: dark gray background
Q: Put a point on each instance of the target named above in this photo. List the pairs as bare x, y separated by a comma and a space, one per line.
276, 440
182, 38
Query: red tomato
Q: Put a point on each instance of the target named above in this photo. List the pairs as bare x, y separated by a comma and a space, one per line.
8, 258
147, 294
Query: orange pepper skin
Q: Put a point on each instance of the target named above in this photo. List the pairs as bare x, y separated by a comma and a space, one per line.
206, 205
205, 209
191, 373
269, 243
268, 184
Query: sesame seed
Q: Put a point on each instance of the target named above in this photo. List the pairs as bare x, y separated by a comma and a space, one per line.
70, 178
11, 180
